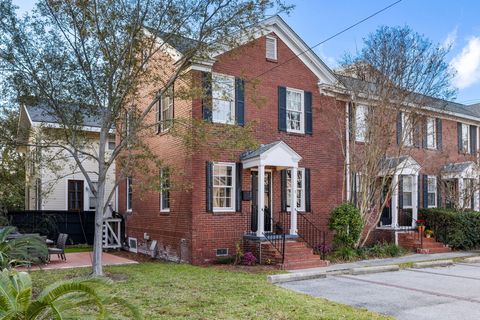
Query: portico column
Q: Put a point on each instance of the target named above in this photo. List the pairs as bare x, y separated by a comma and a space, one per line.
261, 201
415, 199
461, 192
293, 201
395, 200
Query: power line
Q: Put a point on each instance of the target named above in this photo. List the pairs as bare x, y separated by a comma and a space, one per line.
331, 37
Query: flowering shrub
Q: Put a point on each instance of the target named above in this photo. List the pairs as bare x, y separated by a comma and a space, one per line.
249, 259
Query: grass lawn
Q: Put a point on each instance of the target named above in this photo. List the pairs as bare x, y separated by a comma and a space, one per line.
178, 291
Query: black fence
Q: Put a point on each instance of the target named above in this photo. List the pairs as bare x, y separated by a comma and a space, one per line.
78, 225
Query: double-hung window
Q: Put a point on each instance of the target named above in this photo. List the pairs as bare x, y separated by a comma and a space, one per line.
465, 138
431, 133
223, 98
295, 111
432, 192
361, 113
165, 111
165, 189
407, 129
407, 191
129, 190
271, 48
300, 189
223, 187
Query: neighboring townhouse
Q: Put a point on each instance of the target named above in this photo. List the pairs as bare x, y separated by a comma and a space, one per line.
246, 197
53, 180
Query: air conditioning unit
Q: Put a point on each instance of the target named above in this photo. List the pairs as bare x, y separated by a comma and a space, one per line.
132, 244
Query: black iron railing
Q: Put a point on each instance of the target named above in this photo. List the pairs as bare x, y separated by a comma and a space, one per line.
414, 224
277, 238
311, 234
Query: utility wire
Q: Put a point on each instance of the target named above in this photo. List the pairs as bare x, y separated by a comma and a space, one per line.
330, 38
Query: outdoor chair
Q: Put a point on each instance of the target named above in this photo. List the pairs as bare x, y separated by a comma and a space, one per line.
59, 248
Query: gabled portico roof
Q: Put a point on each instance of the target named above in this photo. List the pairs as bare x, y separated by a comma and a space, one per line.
402, 165
276, 154
468, 169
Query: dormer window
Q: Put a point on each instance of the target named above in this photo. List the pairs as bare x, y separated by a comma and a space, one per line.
271, 48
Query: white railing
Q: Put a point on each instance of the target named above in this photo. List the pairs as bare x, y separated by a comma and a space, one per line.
111, 233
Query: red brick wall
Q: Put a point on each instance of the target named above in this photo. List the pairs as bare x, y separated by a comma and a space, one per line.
321, 152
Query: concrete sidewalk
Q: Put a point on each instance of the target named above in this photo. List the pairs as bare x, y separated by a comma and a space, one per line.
389, 261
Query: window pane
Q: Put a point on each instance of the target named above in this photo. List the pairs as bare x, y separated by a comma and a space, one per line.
431, 133
223, 94
432, 199
222, 186
407, 183
407, 199
360, 123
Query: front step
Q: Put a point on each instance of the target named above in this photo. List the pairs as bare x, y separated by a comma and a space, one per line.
410, 240
297, 256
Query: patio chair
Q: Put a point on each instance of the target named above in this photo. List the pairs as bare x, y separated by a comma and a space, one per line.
59, 248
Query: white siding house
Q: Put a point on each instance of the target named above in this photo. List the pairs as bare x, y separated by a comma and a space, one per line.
53, 180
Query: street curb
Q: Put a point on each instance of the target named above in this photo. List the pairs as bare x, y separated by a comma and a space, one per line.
472, 259
288, 277
376, 269
436, 263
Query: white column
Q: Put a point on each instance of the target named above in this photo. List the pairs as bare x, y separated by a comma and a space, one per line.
415, 199
461, 192
293, 201
395, 200
261, 201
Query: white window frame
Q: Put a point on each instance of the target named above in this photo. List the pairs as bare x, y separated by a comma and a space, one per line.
407, 135
300, 208
162, 209
466, 137
431, 124
302, 112
223, 98
429, 193
411, 191
129, 202
267, 39
163, 125
232, 187
361, 113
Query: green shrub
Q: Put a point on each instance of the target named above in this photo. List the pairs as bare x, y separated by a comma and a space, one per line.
347, 223
378, 250
458, 229
344, 254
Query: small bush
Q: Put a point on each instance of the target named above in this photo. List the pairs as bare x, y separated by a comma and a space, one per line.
378, 250
344, 254
458, 229
347, 223
249, 259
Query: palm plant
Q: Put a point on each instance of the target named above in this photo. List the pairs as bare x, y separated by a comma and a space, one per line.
20, 250
71, 299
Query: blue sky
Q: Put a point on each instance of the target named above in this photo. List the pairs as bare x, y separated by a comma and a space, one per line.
443, 21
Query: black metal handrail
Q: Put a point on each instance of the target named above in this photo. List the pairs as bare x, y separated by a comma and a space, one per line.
420, 232
311, 234
277, 238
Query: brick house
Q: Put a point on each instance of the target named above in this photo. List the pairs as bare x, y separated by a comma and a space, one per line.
245, 197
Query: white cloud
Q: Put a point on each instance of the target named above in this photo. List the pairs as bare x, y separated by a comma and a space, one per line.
467, 64
449, 41
329, 60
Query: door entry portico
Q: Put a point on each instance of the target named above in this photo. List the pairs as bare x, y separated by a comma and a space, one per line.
267, 212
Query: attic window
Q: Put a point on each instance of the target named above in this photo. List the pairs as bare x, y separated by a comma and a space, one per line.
271, 48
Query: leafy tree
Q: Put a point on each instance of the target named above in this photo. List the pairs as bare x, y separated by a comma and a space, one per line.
97, 56
12, 164
71, 299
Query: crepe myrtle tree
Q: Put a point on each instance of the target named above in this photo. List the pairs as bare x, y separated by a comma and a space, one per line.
390, 83
93, 59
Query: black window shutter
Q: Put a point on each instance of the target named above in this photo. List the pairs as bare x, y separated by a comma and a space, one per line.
351, 118
459, 135
439, 133
473, 139
417, 134
158, 115
209, 186
400, 191
207, 96
308, 112
425, 191
418, 191
283, 191
282, 109
308, 203
240, 101
238, 187
399, 127
439, 192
